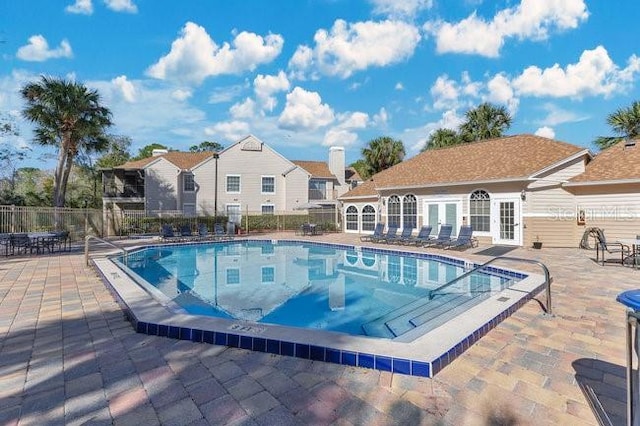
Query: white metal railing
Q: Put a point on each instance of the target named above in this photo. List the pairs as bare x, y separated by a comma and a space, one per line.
93, 237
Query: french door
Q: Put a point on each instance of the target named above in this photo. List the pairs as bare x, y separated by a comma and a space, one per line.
506, 220
440, 212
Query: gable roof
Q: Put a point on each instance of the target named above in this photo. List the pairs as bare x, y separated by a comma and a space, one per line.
621, 162
351, 174
182, 160
317, 169
502, 159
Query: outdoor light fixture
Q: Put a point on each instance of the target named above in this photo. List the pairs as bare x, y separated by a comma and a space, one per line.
523, 195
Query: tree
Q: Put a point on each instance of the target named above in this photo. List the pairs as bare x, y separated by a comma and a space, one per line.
625, 122
207, 146
116, 154
147, 151
69, 116
442, 138
486, 121
382, 153
361, 167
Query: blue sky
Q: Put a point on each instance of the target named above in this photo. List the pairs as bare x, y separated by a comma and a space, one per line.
303, 75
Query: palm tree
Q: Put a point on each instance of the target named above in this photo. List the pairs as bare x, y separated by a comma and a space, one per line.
382, 153
486, 121
441, 138
625, 122
69, 116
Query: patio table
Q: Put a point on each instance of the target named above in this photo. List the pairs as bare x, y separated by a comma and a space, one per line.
634, 243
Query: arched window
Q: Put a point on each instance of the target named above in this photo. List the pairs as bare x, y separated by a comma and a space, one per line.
368, 218
480, 211
409, 212
352, 218
393, 211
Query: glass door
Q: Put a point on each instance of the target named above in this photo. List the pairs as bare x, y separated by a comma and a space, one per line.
442, 212
506, 222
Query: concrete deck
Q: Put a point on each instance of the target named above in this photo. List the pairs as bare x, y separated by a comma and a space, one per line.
67, 356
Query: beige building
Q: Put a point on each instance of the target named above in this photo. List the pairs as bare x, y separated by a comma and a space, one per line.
512, 190
247, 176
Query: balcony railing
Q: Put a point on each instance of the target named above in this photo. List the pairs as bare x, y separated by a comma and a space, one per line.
126, 191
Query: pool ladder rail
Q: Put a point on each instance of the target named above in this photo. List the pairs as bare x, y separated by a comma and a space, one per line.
414, 314
103, 241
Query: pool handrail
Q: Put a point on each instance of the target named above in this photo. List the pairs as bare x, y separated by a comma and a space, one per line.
547, 277
112, 244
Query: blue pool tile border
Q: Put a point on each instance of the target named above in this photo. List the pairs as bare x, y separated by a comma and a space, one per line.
328, 354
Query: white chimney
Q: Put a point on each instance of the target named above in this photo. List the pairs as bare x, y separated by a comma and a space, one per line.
158, 151
336, 162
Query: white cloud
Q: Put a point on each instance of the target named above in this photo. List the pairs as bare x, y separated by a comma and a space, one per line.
121, 6
245, 109
531, 19
181, 94
83, 7
594, 74
266, 85
400, 8
229, 130
399, 86
343, 134
445, 93
194, 56
348, 48
381, 118
125, 87
225, 94
556, 115
305, 111
38, 50
546, 132
415, 138
501, 92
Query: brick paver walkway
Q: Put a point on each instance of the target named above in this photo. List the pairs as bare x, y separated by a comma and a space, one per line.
67, 356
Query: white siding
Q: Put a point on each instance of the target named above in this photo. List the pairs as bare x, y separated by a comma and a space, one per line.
205, 179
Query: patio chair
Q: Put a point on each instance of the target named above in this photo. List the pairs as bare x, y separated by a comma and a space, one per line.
377, 233
444, 236
423, 236
220, 233
602, 245
404, 236
22, 242
463, 240
203, 231
392, 231
5, 241
185, 232
167, 232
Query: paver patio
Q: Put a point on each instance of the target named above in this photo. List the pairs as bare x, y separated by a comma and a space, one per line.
67, 356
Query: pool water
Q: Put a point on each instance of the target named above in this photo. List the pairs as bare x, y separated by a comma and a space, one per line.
351, 290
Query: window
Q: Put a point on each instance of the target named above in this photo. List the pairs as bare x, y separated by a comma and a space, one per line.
393, 211
368, 218
317, 189
268, 275
233, 276
480, 211
268, 185
233, 184
189, 185
268, 209
409, 212
189, 209
352, 218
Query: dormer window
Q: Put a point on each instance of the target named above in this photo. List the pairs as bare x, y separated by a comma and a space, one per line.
189, 184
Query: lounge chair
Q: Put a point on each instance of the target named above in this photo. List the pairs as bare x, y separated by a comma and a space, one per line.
167, 232
377, 233
391, 234
424, 235
405, 235
609, 247
203, 231
443, 237
464, 239
185, 232
220, 233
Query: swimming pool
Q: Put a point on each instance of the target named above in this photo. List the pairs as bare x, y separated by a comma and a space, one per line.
427, 347
301, 284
